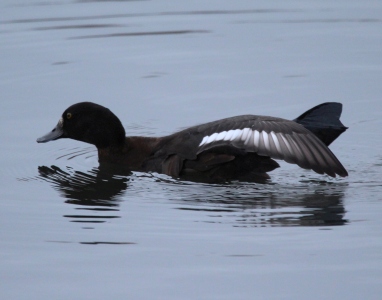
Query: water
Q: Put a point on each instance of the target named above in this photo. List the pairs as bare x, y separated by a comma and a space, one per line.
71, 230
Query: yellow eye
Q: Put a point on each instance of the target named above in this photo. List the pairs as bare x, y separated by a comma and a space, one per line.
68, 116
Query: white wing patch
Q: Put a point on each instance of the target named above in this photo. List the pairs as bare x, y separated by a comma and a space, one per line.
275, 144
246, 135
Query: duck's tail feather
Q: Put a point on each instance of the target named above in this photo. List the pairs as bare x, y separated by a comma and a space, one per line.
324, 121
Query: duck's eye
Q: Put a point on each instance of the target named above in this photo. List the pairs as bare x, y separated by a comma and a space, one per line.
68, 115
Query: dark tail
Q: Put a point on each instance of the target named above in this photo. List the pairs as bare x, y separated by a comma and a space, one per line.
324, 121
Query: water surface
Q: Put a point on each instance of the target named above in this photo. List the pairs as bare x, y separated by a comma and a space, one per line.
70, 229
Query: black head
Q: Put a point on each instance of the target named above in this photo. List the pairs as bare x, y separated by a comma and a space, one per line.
90, 123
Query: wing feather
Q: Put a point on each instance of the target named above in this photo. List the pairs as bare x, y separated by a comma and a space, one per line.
276, 146
267, 136
312, 163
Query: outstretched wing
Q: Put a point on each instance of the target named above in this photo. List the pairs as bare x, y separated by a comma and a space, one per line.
267, 136
273, 137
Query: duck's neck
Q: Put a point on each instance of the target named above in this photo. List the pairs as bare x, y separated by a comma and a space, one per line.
132, 154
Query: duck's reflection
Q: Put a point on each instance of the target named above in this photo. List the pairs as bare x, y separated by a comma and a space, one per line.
101, 189
306, 204
97, 190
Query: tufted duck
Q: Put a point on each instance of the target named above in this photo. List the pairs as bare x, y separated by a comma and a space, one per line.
241, 147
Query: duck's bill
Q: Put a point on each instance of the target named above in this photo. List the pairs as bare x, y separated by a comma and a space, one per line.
55, 134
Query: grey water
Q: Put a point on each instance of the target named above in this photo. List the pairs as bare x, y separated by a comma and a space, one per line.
70, 230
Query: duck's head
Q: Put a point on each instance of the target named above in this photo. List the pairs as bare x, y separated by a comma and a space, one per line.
90, 123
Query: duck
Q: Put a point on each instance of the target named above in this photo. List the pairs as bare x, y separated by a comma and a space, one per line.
243, 147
